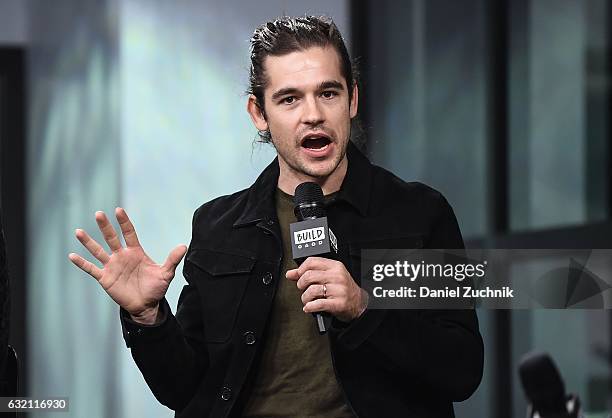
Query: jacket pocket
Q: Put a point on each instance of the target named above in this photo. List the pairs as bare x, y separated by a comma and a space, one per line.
221, 279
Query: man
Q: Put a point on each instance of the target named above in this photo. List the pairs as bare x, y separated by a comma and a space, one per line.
243, 341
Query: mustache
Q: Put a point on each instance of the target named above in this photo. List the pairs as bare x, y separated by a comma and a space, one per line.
319, 130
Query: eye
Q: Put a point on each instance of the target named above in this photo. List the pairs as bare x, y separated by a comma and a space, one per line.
329, 94
288, 100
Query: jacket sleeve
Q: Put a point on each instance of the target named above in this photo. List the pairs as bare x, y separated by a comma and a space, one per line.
172, 355
441, 348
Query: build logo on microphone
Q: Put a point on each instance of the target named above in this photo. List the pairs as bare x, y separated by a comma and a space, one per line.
309, 237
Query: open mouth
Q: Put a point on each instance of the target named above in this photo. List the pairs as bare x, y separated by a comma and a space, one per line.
316, 142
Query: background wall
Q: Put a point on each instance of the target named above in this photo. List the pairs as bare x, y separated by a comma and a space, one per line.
13, 22
74, 169
504, 107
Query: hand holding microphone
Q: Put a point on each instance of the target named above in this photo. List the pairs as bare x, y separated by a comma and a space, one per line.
329, 287
326, 283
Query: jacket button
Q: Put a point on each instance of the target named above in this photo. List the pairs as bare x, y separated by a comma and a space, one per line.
249, 338
226, 393
267, 278
270, 222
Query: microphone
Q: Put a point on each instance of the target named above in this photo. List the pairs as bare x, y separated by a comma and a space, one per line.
311, 235
545, 390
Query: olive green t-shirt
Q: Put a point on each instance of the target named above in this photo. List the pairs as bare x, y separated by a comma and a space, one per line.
295, 377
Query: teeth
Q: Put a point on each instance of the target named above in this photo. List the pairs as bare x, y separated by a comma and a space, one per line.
318, 149
316, 142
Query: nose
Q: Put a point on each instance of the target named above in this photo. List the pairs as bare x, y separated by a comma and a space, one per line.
312, 114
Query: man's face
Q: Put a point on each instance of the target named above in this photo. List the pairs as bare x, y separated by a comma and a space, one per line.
307, 111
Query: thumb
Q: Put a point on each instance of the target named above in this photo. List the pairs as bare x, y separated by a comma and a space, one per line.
175, 257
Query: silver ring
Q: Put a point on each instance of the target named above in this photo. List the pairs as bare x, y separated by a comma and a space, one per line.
324, 291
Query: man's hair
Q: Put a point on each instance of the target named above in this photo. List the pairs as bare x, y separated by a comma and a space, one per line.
290, 34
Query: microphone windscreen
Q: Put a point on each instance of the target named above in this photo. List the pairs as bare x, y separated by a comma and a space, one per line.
542, 384
308, 200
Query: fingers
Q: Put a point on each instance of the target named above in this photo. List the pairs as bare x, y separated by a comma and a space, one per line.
174, 258
293, 274
317, 263
92, 246
311, 263
127, 228
110, 236
311, 277
316, 291
332, 306
86, 266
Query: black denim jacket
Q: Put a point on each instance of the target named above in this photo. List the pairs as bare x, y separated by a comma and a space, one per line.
395, 363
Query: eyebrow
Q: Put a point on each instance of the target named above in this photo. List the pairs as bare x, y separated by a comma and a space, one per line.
325, 85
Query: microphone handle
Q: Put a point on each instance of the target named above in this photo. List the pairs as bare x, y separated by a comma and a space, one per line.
319, 316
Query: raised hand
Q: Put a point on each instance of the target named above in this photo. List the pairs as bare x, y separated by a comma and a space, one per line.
128, 275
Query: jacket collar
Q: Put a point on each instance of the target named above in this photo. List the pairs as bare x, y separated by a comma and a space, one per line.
357, 184
355, 189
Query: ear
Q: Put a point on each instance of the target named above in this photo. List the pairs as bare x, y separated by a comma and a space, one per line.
256, 114
354, 101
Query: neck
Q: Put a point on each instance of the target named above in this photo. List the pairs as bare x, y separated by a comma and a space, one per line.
289, 179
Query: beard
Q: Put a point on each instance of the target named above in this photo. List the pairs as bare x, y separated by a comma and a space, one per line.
300, 165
